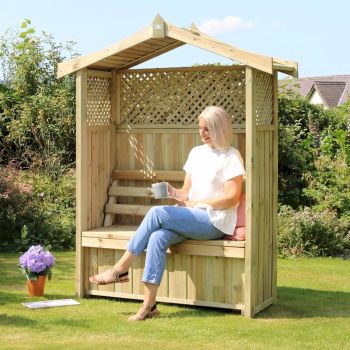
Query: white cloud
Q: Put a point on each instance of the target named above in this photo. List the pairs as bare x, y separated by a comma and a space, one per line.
228, 24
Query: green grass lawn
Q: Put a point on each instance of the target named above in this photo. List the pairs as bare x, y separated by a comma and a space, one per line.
312, 312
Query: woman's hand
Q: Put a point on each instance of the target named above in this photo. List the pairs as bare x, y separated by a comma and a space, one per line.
171, 191
180, 195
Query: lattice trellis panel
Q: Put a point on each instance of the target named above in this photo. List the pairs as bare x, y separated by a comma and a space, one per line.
177, 97
264, 98
98, 100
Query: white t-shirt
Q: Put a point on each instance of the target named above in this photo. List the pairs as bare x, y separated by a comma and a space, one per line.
209, 169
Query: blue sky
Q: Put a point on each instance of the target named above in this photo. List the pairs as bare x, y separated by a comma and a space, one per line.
314, 33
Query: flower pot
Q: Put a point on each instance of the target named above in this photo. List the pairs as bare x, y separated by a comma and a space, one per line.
36, 287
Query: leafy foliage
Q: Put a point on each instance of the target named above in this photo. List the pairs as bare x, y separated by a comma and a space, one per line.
37, 128
310, 232
296, 142
36, 209
314, 182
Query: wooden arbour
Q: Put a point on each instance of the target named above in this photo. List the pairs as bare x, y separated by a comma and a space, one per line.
137, 124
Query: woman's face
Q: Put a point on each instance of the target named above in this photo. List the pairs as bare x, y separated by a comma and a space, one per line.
204, 133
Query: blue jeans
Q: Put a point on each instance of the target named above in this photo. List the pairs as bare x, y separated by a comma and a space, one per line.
166, 225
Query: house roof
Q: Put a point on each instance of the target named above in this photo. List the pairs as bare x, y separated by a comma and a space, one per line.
160, 37
305, 85
330, 91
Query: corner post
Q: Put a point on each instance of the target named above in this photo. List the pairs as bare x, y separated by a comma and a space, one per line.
251, 267
81, 175
274, 187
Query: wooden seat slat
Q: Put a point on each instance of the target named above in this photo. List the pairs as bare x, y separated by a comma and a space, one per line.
127, 209
130, 191
152, 176
117, 236
120, 232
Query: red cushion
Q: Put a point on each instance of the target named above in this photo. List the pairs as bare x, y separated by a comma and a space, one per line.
241, 212
239, 232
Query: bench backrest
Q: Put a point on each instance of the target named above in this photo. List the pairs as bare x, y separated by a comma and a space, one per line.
130, 195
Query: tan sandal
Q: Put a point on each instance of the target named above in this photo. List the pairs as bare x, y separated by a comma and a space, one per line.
144, 313
109, 276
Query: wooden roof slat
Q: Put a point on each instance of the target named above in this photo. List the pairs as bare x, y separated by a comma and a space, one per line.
164, 41
148, 46
116, 60
129, 54
135, 50
151, 55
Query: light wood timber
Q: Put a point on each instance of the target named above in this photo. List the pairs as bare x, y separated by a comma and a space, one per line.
263, 63
160, 175
81, 180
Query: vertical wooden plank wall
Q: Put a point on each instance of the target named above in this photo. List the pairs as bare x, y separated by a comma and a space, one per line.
99, 154
261, 188
189, 279
266, 133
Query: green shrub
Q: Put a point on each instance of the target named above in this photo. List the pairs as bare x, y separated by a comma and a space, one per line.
37, 124
329, 182
298, 135
36, 209
308, 232
16, 207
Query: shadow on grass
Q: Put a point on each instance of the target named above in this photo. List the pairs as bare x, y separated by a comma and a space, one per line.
292, 302
73, 323
17, 321
302, 303
10, 297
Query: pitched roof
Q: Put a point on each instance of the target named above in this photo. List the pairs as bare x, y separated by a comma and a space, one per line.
330, 91
304, 85
160, 37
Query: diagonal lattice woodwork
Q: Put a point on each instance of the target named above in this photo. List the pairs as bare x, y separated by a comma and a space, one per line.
176, 97
98, 106
264, 98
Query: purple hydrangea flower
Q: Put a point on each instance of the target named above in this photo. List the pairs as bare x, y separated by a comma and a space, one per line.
36, 260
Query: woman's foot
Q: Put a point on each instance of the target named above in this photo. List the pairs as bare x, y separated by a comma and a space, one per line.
144, 313
109, 276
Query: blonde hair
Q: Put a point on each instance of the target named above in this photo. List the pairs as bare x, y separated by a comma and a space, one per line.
219, 126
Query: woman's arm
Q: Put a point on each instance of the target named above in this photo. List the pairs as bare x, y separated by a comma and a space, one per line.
231, 196
182, 193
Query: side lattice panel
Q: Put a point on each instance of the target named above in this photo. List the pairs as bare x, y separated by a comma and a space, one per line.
98, 106
264, 98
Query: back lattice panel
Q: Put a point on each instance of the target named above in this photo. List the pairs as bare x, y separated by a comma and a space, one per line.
177, 97
264, 98
98, 100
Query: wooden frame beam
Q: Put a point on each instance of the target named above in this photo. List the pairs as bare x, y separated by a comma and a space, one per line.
263, 63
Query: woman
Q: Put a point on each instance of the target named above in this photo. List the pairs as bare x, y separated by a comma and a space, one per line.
207, 208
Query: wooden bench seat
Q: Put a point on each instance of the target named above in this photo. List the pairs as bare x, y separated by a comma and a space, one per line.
197, 272
117, 236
